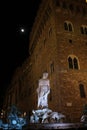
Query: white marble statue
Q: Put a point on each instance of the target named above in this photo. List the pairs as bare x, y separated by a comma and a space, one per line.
43, 90
43, 114
47, 116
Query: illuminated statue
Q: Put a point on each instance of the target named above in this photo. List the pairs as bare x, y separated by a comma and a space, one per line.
43, 114
43, 90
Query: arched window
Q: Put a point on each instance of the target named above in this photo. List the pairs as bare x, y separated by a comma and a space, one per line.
70, 63
52, 67
65, 26
68, 26
84, 29
50, 31
82, 91
75, 63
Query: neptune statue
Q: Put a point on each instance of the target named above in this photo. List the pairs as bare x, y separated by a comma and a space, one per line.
43, 90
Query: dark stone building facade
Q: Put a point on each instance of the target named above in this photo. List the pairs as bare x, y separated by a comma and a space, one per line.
58, 45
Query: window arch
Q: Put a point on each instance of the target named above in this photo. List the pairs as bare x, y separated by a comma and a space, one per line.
73, 62
65, 26
70, 62
82, 91
68, 26
83, 29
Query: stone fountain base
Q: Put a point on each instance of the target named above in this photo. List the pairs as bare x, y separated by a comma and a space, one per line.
47, 126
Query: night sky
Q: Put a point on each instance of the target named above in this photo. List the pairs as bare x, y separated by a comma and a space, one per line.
14, 44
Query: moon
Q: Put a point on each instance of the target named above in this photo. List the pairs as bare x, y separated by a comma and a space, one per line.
22, 30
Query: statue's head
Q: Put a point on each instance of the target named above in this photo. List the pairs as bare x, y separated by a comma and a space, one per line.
45, 75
